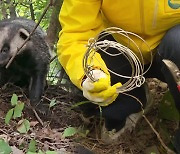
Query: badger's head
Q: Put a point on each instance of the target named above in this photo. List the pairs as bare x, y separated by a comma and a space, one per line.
11, 39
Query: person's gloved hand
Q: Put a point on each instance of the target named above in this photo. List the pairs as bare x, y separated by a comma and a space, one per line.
100, 92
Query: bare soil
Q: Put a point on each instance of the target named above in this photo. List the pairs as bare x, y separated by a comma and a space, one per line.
142, 140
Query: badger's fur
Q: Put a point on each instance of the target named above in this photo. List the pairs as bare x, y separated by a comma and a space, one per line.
30, 66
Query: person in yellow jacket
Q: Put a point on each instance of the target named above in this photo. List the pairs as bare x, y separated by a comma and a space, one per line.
84, 19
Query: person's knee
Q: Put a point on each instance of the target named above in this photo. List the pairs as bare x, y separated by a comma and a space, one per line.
121, 108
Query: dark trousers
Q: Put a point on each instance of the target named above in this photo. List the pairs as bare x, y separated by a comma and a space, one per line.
116, 113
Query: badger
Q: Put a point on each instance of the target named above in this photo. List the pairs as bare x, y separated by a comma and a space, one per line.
31, 64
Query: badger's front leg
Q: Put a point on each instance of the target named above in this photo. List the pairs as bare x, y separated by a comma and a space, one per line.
1, 78
4, 76
36, 90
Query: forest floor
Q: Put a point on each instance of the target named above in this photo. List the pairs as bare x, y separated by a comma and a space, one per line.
49, 134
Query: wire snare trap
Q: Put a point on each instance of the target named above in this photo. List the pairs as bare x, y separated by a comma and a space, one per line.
97, 44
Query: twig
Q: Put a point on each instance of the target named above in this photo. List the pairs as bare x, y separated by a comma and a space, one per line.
27, 39
169, 151
38, 118
35, 113
52, 59
1, 130
46, 98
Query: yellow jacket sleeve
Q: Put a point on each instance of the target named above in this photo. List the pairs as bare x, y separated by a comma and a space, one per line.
80, 21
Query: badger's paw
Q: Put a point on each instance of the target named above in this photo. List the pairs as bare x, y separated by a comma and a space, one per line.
43, 109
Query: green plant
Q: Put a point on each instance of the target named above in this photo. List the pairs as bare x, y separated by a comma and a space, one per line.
4, 147
52, 103
32, 149
71, 131
16, 112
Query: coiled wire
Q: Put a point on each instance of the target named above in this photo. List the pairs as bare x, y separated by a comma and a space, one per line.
95, 44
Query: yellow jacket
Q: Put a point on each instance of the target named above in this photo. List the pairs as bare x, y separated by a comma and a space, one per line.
84, 19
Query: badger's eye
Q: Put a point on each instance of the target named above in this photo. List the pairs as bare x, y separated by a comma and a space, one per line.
5, 49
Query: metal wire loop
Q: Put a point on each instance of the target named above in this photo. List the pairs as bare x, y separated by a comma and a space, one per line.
98, 44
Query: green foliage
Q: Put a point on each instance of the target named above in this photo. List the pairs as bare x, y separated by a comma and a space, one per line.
70, 131
39, 7
52, 103
32, 146
54, 71
9, 116
167, 112
16, 111
167, 108
23, 126
51, 152
22, 8
41, 152
4, 147
14, 99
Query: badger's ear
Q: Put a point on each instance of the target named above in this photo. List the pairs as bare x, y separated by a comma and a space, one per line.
24, 34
